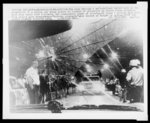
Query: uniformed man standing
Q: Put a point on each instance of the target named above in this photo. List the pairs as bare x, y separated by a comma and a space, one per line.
33, 85
136, 81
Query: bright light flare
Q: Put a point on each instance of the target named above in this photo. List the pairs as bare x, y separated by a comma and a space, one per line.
88, 67
123, 70
85, 56
114, 55
106, 66
40, 54
72, 77
47, 52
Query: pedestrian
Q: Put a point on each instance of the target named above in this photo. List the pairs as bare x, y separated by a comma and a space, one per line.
79, 76
33, 81
44, 87
119, 90
113, 84
123, 85
107, 83
135, 80
99, 73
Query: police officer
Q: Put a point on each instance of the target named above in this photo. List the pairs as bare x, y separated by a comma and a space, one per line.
135, 81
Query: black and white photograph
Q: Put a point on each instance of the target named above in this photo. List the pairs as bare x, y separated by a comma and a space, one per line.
75, 67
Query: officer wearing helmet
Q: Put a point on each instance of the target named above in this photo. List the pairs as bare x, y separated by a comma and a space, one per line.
135, 81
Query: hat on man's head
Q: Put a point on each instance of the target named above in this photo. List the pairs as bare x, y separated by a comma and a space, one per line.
134, 62
138, 62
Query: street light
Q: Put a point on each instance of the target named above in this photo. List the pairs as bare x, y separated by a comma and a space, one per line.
88, 67
114, 55
85, 56
106, 66
123, 70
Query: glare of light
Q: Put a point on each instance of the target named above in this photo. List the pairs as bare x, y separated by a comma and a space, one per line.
72, 77
135, 24
114, 55
123, 70
40, 54
88, 67
85, 56
106, 66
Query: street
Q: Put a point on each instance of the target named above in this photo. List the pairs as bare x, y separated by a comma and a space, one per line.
105, 99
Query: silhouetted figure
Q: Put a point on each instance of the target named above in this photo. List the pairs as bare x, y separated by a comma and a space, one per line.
99, 73
44, 87
79, 76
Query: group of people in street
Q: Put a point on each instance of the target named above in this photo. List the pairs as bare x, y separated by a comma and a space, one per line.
130, 88
39, 86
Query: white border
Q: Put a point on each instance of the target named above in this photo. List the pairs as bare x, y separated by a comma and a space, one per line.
70, 115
